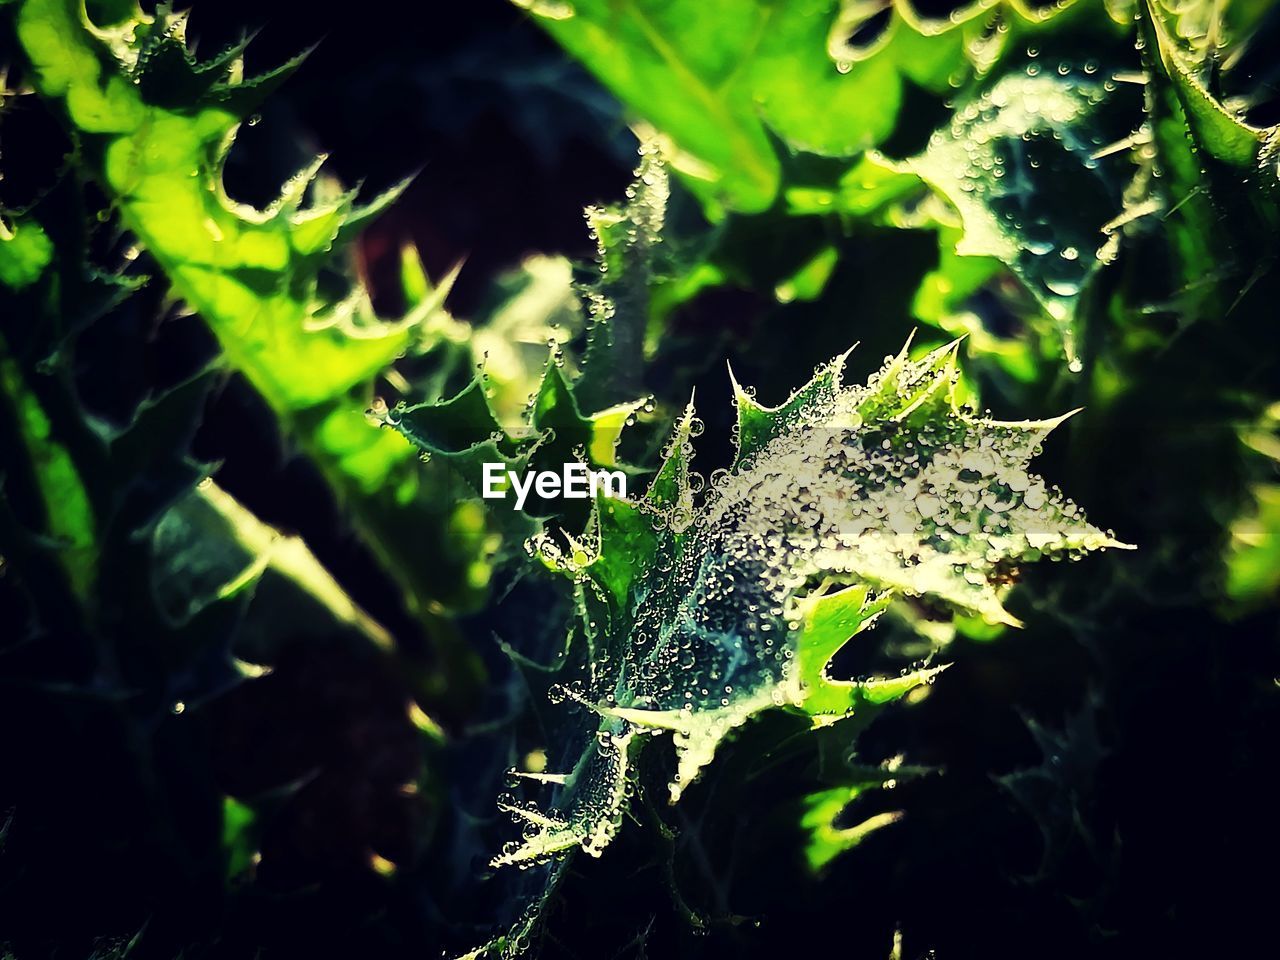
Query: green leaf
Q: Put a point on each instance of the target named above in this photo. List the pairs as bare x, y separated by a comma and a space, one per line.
69, 515
821, 812
627, 236
723, 79
156, 126
1224, 135
25, 250
696, 614
207, 548
240, 827
1252, 554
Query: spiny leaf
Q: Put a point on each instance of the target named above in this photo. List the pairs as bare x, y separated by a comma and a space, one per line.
698, 615
464, 432
757, 425
627, 236
1222, 134
156, 126
163, 567
1220, 175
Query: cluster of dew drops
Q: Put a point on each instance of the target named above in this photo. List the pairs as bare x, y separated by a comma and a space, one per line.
835, 493
712, 623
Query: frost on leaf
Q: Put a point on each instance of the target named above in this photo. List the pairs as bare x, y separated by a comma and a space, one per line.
696, 613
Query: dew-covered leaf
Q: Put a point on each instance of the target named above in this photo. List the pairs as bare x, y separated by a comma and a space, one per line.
1026, 167
627, 237
698, 612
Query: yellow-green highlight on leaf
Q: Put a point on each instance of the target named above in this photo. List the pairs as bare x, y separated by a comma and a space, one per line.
810, 280
827, 621
865, 188
69, 516
1223, 134
25, 250
826, 841
155, 127
250, 273
210, 538
1252, 555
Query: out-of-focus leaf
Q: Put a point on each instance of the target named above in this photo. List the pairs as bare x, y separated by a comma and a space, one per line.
1025, 167
823, 811
1057, 792
239, 826
1252, 556
208, 548
156, 126
722, 79
70, 521
25, 250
